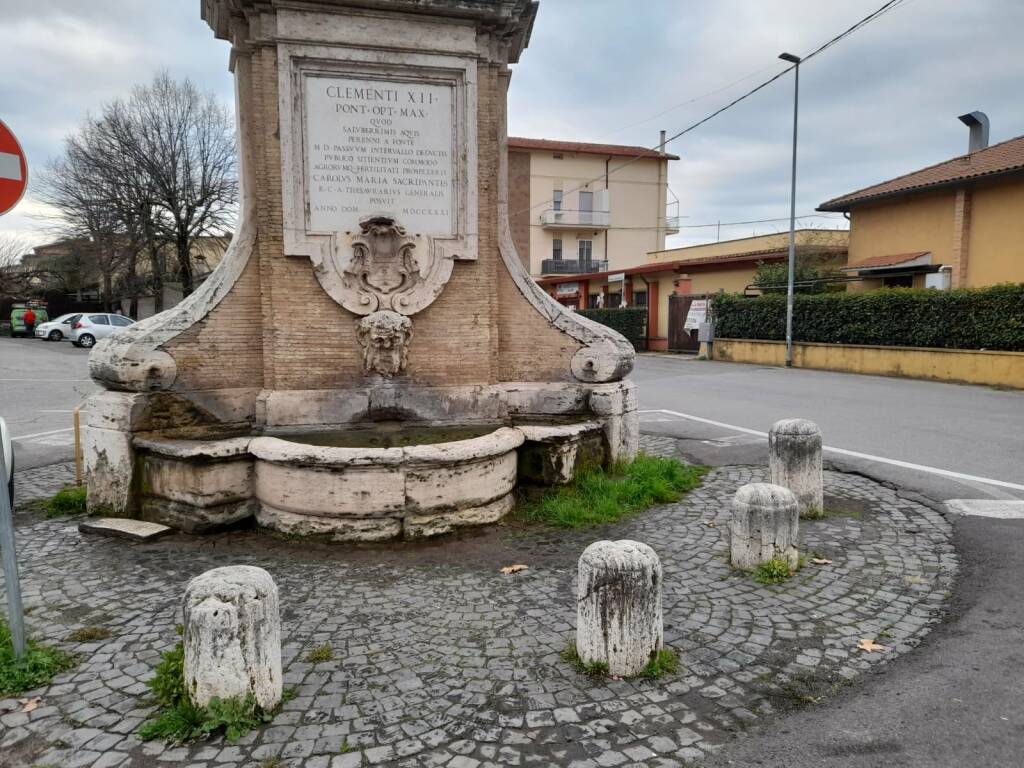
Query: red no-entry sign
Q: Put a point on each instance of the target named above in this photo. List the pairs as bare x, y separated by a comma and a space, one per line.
13, 170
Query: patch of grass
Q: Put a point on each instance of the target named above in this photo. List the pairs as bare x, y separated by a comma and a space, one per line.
774, 571
345, 747
90, 634
322, 653
179, 721
664, 662
37, 667
597, 497
67, 501
834, 512
593, 669
272, 762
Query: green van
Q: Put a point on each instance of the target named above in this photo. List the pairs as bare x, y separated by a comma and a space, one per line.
18, 312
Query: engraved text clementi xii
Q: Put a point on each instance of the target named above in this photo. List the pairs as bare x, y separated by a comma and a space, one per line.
374, 146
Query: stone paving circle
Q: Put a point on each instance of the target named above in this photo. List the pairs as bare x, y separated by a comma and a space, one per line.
441, 660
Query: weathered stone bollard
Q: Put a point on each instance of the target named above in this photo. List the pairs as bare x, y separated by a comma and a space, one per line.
618, 613
794, 458
764, 525
233, 636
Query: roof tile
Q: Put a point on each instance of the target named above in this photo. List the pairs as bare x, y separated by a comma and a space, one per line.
616, 150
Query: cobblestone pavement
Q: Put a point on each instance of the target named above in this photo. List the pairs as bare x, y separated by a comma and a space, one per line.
41, 482
439, 659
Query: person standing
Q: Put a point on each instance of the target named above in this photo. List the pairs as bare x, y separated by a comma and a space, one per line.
29, 319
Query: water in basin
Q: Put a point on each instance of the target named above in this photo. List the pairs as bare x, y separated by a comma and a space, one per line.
388, 434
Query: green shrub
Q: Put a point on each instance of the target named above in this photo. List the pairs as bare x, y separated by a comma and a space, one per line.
37, 667
631, 322
67, 501
982, 318
596, 497
774, 571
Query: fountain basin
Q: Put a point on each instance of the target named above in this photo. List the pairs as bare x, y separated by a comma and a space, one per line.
357, 482
370, 494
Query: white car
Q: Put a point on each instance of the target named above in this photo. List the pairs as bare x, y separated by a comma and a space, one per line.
91, 327
8, 451
58, 329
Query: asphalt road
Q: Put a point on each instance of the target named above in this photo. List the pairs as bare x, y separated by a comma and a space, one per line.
41, 383
948, 428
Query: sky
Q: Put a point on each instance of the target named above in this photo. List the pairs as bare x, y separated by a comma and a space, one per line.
878, 104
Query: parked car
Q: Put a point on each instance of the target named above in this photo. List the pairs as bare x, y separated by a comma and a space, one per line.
90, 328
8, 450
18, 312
59, 329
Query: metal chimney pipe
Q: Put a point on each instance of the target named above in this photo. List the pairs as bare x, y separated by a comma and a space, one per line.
978, 123
661, 143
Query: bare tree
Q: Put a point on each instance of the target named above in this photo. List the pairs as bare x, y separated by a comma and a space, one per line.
183, 142
15, 279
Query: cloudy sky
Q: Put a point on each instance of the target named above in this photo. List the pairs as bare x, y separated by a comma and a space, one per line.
881, 103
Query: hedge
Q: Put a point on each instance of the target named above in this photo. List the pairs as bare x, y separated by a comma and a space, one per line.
631, 322
983, 318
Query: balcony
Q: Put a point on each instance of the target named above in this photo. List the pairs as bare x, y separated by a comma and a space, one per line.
671, 225
552, 219
572, 267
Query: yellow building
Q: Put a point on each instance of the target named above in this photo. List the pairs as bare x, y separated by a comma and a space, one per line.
959, 223
670, 280
579, 208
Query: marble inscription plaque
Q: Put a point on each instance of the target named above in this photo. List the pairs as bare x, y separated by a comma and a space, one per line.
378, 147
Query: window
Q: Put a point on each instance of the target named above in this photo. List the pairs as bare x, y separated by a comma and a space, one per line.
586, 251
586, 207
593, 301
99, 320
71, 319
557, 200
901, 281
121, 321
640, 299
556, 250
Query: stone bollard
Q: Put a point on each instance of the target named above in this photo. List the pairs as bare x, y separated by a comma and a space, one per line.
618, 608
233, 636
794, 458
764, 526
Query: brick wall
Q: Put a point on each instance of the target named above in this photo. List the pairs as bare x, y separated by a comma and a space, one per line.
519, 203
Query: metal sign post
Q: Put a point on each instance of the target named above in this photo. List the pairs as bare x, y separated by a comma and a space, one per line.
15, 612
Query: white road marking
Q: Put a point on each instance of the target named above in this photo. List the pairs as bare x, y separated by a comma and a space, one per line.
43, 434
854, 454
1005, 510
48, 379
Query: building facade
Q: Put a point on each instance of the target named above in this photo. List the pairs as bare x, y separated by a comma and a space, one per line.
696, 272
578, 208
956, 224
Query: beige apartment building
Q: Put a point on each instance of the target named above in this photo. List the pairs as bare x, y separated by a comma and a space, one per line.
578, 208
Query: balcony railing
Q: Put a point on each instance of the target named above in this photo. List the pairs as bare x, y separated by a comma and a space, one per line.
671, 225
572, 267
553, 219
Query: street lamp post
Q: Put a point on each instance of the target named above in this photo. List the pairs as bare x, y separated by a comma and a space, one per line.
795, 60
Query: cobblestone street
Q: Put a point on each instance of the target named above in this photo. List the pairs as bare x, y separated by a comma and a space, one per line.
439, 659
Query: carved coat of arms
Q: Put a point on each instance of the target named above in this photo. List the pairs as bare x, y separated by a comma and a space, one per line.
386, 277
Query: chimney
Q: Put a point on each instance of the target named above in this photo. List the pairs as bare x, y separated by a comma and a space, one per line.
661, 143
978, 123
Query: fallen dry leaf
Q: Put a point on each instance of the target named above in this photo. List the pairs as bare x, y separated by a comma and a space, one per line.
870, 645
820, 561
710, 523
30, 704
514, 568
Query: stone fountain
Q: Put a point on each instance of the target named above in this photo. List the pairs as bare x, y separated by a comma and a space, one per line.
371, 359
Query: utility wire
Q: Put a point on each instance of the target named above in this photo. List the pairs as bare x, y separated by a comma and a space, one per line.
890, 5
721, 223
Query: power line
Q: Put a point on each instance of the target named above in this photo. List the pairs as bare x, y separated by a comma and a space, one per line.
721, 223
890, 5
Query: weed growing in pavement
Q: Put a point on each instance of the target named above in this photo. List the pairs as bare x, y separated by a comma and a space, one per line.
664, 662
597, 497
67, 501
179, 721
321, 653
37, 667
90, 634
774, 571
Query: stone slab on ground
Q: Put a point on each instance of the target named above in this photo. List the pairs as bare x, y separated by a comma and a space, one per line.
439, 657
119, 527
